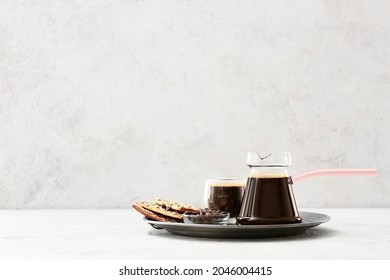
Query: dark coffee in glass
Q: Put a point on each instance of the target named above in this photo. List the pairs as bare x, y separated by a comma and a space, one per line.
268, 196
268, 201
225, 195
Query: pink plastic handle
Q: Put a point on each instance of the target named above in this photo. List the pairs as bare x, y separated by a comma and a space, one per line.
335, 172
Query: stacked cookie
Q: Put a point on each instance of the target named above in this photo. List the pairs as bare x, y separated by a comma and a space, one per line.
163, 210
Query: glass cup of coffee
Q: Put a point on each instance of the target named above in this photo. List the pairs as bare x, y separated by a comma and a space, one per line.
224, 194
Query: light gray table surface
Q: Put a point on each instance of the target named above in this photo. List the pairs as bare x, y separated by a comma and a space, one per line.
113, 234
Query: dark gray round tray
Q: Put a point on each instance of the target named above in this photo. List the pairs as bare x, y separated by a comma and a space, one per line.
309, 219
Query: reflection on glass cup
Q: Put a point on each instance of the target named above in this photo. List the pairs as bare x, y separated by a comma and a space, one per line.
224, 194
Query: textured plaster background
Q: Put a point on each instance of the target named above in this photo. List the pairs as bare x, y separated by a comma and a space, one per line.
106, 102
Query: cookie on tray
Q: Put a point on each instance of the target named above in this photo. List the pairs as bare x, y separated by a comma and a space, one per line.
172, 205
154, 216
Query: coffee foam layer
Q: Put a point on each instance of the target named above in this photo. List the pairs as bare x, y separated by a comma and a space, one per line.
225, 184
267, 175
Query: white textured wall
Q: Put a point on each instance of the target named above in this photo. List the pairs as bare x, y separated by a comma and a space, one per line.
106, 102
